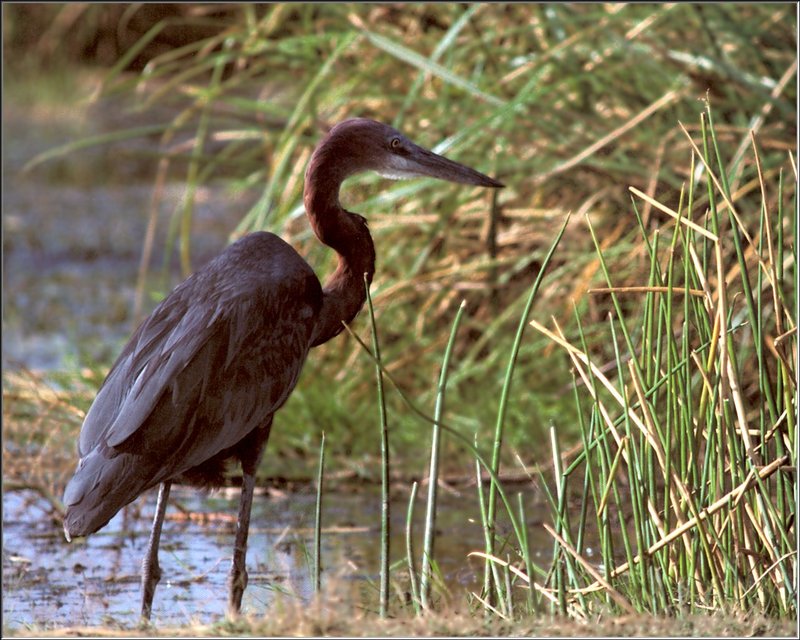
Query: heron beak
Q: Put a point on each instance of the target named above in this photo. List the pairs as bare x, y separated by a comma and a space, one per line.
436, 166
421, 162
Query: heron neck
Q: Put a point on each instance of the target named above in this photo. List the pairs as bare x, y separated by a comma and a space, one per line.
343, 293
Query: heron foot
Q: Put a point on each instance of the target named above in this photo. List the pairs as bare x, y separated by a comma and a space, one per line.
151, 576
237, 583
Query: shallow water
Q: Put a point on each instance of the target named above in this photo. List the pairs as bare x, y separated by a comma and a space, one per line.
49, 581
96, 580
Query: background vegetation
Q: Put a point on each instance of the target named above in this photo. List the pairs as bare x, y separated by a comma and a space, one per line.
569, 105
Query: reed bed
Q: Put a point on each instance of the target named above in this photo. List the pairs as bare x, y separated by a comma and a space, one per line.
687, 470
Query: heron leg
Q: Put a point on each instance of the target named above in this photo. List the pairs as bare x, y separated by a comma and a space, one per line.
151, 571
237, 581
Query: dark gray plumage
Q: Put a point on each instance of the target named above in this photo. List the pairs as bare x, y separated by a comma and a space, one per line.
181, 391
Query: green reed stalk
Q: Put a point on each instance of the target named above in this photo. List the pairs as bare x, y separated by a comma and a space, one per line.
507, 582
412, 571
384, 432
487, 534
491, 511
318, 518
559, 556
433, 475
447, 41
526, 551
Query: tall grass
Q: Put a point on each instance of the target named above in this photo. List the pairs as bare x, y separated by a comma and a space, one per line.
690, 444
686, 474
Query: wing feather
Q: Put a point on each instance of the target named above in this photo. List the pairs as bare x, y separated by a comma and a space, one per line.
212, 362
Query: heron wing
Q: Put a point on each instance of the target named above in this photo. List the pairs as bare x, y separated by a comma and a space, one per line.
216, 357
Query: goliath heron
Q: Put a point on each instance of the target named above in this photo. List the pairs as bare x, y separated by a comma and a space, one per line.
199, 381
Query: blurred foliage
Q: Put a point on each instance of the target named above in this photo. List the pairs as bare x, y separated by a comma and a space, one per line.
48, 35
568, 104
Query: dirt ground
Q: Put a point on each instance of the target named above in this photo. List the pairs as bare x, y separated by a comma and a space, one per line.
334, 620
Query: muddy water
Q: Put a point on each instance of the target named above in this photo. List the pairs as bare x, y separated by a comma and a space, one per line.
96, 581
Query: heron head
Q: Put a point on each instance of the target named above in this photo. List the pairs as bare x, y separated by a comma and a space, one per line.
370, 145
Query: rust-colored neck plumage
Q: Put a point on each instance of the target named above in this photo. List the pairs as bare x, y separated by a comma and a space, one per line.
346, 233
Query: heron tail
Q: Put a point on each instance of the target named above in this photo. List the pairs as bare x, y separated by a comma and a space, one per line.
100, 487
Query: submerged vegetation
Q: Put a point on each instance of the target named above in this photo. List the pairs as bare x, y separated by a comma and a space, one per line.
652, 347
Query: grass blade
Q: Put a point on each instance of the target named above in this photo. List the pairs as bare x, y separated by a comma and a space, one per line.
384, 437
318, 518
433, 474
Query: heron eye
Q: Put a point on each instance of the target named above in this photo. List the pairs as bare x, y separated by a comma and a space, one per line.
395, 143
